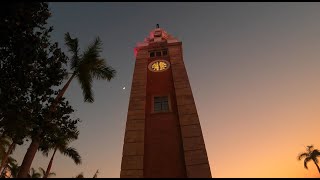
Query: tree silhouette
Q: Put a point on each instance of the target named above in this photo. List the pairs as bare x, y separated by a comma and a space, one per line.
85, 67
62, 144
311, 154
43, 172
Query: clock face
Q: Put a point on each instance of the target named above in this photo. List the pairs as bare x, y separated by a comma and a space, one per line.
159, 65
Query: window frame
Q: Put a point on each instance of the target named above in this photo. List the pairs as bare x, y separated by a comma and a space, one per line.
155, 51
161, 95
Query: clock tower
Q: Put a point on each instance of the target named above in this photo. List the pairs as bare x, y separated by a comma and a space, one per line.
163, 136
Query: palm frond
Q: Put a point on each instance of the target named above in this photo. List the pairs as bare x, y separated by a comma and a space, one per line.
73, 154
46, 148
306, 161
34, 174
93, 50
85, 81
73, 48
14, 169
69, 139
45, 152
302, 155
11, 160
310, 147
88, 65
51, 174
314, 154
42, 171
101, 71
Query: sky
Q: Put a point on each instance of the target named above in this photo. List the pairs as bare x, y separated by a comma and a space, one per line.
254, 70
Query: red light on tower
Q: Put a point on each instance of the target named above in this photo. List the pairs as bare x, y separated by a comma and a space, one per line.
135, 52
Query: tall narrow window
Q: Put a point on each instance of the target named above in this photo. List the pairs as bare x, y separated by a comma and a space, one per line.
161, 104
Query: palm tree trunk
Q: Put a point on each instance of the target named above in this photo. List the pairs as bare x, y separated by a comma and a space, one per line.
5, 158
50, 164
317, 166
61, 93
28, 158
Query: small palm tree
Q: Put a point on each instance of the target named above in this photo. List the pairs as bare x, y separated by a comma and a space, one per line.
63, 146
14, 169
43, 172
7, 168
311, 154
34, 174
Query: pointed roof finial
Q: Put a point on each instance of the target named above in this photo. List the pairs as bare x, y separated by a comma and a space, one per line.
157, 25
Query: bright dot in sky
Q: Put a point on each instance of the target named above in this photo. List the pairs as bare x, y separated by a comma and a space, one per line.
124, 88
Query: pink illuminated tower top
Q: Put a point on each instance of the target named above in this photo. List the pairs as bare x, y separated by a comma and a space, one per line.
157, 35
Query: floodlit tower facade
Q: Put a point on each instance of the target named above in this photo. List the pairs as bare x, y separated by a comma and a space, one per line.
163, 136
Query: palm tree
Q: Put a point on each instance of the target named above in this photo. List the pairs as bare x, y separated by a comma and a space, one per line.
311, 154
34, 174
14, 169
10, 162
63, 146
43, 172
85, 67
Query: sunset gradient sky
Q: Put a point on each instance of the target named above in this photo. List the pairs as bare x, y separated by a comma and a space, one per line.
254, 70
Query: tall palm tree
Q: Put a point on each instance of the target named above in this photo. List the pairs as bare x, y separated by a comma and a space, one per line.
311, 154
85, 68
63, 146
43, 172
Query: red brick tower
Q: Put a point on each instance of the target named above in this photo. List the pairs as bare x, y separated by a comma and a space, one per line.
163, 137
